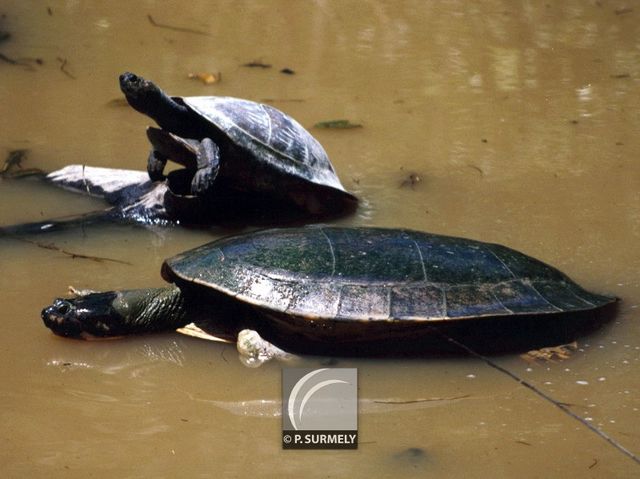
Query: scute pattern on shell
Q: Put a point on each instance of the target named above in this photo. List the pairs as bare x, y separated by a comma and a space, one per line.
270, 135
379, 274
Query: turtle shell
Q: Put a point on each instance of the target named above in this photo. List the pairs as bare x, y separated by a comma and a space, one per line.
270, 136
378, 275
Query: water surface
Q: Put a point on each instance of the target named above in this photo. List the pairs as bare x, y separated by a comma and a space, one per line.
520, 120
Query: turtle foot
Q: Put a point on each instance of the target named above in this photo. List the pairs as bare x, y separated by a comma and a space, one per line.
255, 351
208, 160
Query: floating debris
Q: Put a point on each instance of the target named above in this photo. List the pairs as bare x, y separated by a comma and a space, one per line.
564, 407
71, 254
413, 457
287, 71
411, 180
525, 443
63, 67
623, 11
176, 29
206, 78
337, 124
621, 75
550, 354
476, 168
6, 59
256, 64
25, 62
12, 166
118, 102
414, 401
14, 159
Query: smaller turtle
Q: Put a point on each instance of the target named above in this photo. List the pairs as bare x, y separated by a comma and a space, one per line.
233, 147
244, 162
339, 291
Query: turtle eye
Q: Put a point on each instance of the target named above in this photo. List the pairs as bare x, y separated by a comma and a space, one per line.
64, 307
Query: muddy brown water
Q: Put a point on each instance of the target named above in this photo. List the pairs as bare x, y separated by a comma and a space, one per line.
521, 121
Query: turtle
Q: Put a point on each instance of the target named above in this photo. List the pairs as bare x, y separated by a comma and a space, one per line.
244, 162
232, 147
333, 290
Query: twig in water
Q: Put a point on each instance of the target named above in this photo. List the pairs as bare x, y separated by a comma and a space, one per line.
413, 401
176, 29
8, 60
256, 64
63, 67
27, 63
53, 247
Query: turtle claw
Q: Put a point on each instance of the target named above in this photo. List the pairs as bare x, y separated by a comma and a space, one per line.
208, 161
202, 181
155, 166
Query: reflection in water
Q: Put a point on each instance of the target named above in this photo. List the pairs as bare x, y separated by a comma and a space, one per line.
272, 408
134, 364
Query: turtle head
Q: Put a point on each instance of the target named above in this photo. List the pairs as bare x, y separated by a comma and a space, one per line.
116, 313
92, 316
147, 98
143, 95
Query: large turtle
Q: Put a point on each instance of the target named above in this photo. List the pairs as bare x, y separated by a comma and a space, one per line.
233, 148
336, 290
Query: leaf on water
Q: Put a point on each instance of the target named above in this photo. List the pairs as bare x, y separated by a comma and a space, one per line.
551, 354
337, 124
206, 77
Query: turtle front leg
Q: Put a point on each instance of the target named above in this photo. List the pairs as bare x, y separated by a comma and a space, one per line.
155, 165
208, 164
255, 351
